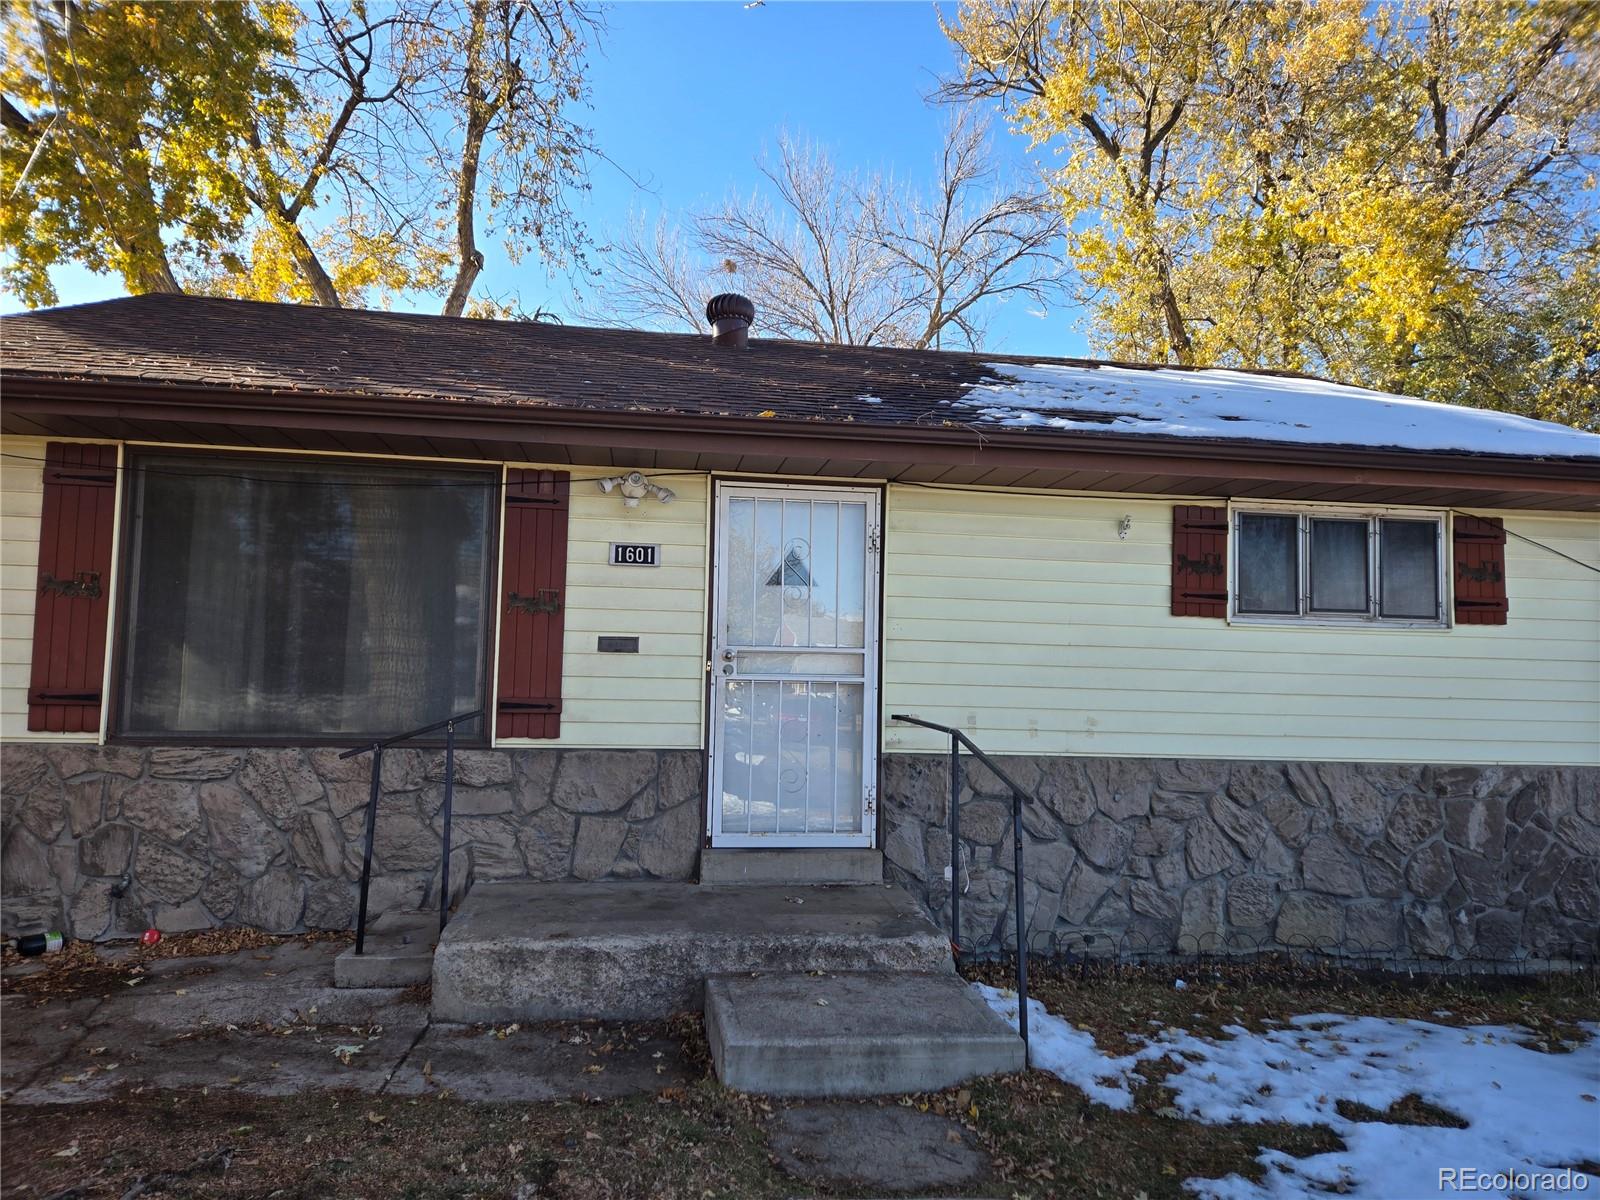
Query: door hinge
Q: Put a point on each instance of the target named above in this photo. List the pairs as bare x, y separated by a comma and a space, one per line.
875, 540
872, 802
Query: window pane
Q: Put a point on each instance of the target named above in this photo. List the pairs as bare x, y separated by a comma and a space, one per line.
1268, 563
1408, 569
289, 599
1339, 566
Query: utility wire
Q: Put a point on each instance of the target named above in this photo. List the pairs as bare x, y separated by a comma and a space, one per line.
1541, 545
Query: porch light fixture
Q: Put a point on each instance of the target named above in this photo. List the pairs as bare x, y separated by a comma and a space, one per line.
1125, 527
634, 488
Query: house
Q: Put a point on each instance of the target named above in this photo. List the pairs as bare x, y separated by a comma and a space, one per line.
1281, 662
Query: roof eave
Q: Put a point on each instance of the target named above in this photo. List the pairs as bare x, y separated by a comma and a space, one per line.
402, 415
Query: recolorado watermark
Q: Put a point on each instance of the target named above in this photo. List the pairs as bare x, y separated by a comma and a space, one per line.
1472, 1179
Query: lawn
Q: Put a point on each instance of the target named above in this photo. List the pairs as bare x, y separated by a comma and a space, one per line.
1043, 1136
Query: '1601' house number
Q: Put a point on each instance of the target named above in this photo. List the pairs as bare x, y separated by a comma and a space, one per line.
635, 554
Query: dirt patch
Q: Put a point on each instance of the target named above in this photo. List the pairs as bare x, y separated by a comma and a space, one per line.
1408, 1110
897, 1149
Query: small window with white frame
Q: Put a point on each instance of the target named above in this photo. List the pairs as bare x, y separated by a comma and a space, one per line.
1337, 566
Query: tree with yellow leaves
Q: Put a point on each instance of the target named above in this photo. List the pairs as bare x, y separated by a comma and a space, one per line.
322, 153
1399, 195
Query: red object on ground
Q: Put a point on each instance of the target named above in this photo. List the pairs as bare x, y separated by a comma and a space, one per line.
150, 937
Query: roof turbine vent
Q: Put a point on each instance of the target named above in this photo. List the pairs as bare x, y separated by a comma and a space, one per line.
731, 316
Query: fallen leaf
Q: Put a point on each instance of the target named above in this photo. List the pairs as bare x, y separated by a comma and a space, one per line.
70, 1152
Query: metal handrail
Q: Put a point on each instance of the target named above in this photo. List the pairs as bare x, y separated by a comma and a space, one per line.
1018, 795
376, 749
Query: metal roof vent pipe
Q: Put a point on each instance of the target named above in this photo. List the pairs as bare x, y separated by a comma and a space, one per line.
731, 316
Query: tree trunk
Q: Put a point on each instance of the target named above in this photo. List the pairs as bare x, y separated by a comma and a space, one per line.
312, 270
479, 110
1171, 315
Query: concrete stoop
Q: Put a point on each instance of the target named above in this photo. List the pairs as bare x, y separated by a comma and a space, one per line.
637, 951
853, 1034
398, 952
725, 867
807, 990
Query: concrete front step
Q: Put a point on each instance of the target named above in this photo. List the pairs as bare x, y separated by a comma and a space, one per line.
794, 866
398, 952
633, 951
853, 1034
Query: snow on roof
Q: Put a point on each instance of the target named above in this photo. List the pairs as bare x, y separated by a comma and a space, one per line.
1215, 403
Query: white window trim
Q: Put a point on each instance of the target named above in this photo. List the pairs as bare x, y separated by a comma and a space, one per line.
1369, 620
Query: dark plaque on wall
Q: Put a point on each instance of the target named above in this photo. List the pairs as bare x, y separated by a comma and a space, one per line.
635, 554
618, 645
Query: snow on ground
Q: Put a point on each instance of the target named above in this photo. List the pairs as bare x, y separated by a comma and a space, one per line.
1527, 1111
1058, 1046
1241, 405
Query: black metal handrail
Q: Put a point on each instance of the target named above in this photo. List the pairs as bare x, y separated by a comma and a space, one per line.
376, 749
1018, 795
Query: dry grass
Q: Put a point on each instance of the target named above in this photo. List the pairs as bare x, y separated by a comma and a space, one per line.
89, 969
1044, 1137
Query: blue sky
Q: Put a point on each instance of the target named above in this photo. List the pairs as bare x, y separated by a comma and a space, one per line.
688, 95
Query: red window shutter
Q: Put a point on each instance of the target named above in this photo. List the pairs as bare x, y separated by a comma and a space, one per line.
73, 594
1199, 561
533, 588
1479, 554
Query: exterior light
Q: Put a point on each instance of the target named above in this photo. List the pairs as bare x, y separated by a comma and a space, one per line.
634, 488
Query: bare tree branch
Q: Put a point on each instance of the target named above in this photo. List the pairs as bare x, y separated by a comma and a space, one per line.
829, 256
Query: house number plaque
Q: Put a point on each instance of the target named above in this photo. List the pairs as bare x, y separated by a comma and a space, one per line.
635, 554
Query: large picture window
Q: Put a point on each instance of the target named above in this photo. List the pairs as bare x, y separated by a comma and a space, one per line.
288, 599
1337, 566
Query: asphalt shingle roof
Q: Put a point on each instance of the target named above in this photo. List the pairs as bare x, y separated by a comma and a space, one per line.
206, 342
233, 345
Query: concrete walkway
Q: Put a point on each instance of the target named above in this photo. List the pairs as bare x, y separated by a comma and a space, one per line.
270, 1022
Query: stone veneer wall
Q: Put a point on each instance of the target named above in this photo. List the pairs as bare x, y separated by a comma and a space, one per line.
1209, 855
108, 841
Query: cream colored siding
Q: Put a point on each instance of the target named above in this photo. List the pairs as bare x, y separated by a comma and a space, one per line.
21, 494
1025, 620
654, 698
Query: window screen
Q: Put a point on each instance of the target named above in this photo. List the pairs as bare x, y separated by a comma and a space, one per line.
302, 599
1268, 563
1339, 566
1408, 558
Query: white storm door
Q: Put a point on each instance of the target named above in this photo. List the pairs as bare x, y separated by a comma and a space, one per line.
794, 664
